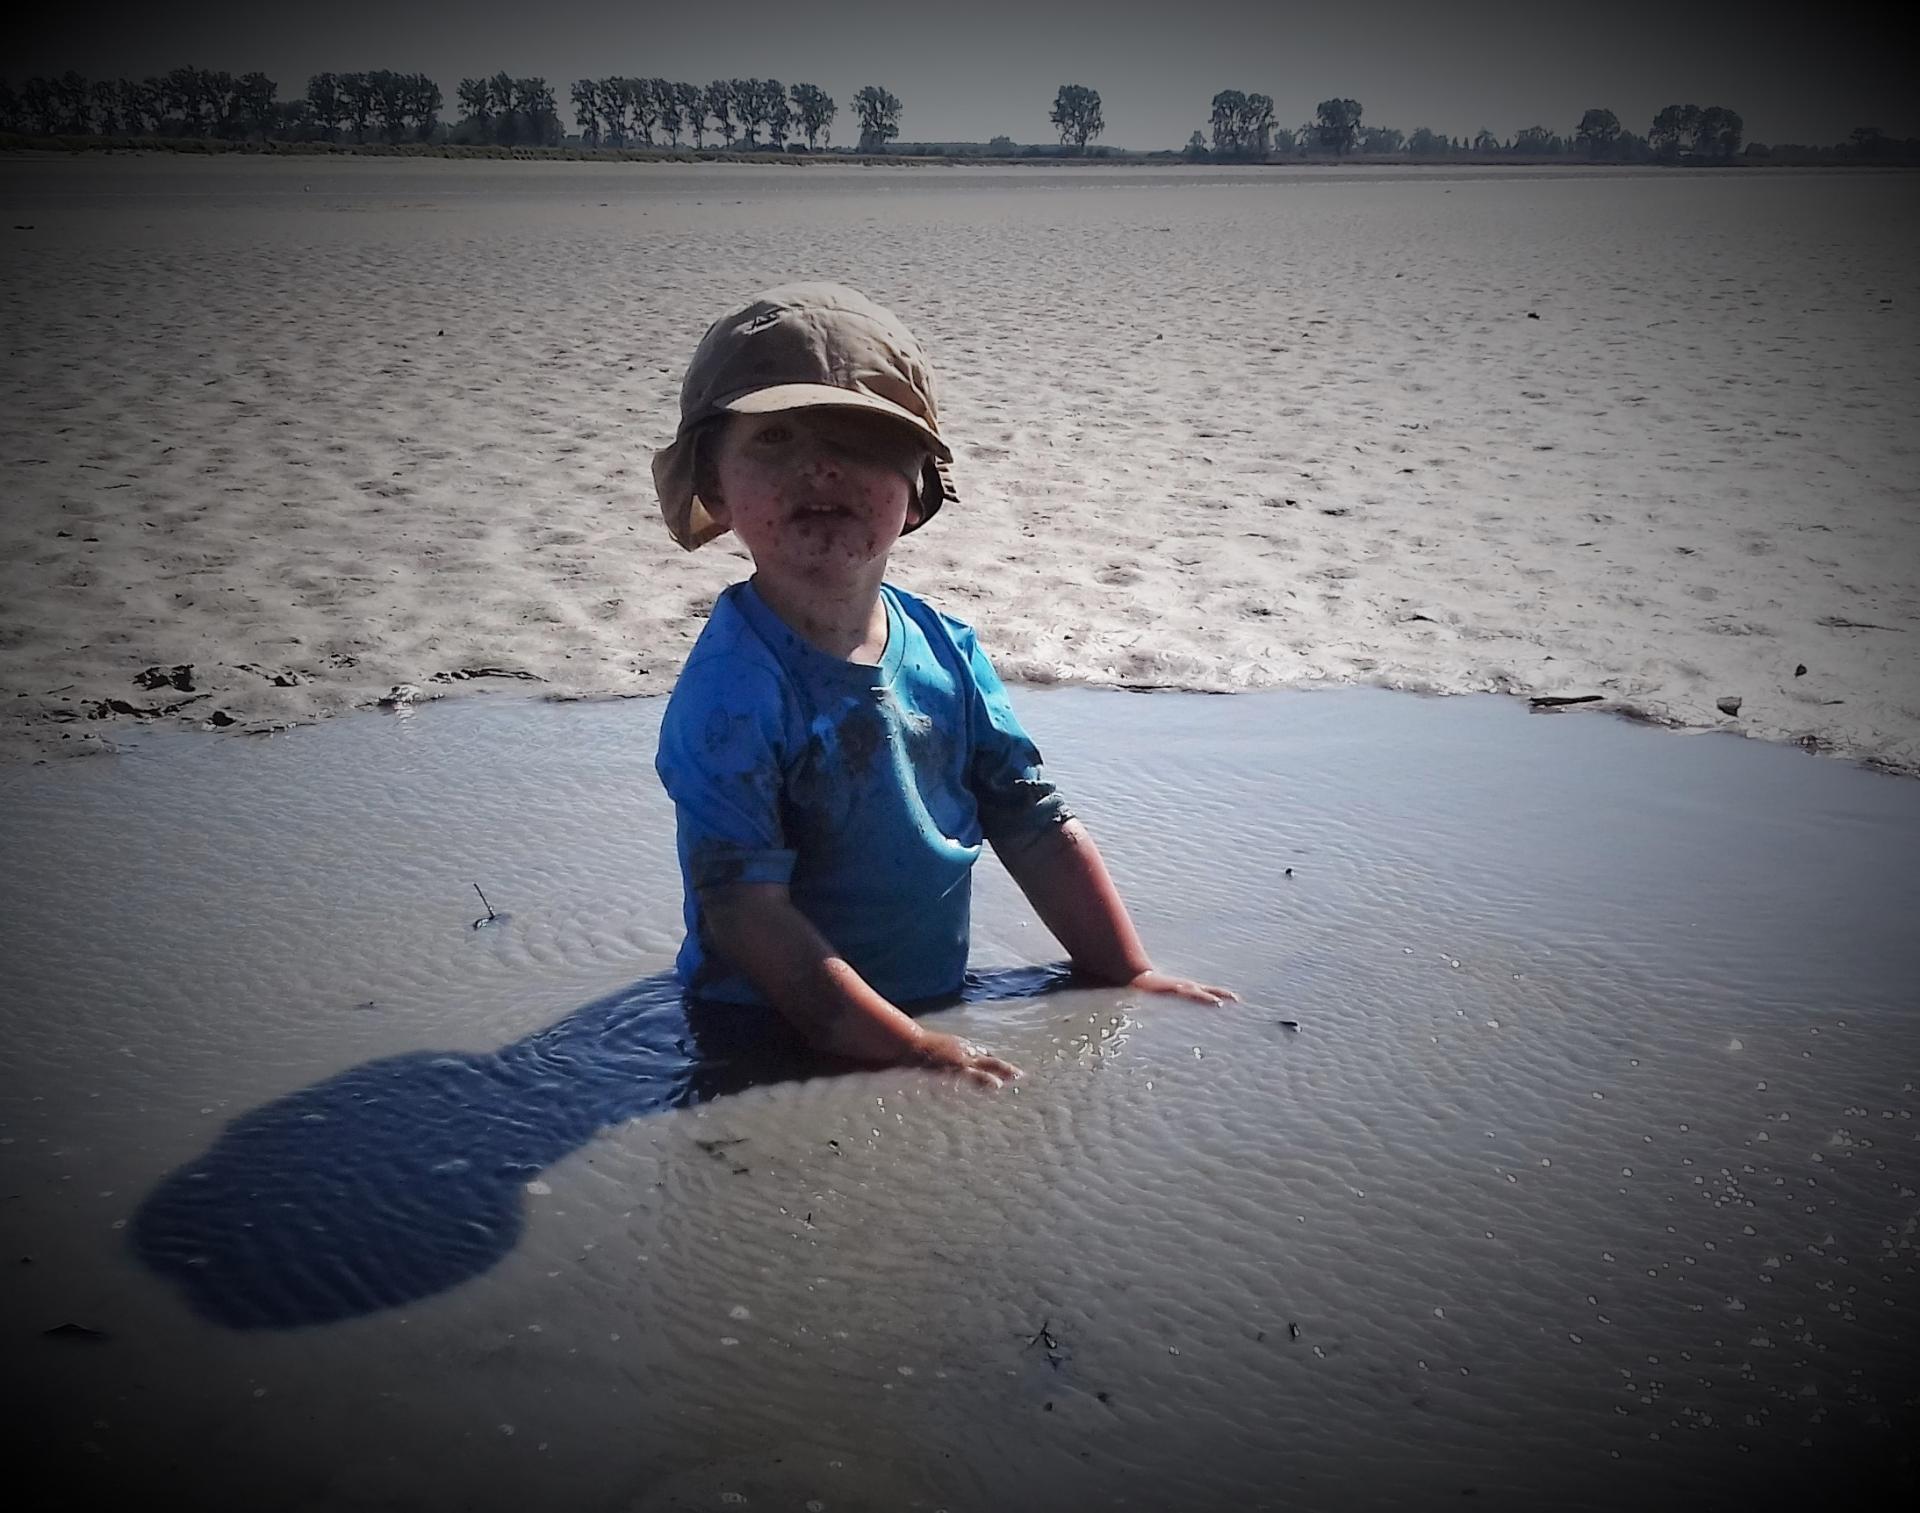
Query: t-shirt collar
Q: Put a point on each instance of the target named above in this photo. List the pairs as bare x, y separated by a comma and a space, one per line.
796, 650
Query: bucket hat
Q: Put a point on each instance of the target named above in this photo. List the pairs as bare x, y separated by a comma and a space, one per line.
800, 346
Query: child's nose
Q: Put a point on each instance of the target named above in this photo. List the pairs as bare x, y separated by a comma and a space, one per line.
824, 455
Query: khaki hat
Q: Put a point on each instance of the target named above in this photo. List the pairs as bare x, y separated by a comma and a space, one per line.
800, 346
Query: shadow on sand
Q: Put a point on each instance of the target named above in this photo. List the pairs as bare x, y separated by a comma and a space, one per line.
404, 1177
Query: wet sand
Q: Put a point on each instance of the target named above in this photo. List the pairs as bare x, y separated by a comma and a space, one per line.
1587, 1175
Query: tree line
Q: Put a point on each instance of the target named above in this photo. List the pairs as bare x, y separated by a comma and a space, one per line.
1243, 127
500, 109
199, 102
622, 112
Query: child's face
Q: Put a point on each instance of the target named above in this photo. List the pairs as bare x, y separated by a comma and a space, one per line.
817, 492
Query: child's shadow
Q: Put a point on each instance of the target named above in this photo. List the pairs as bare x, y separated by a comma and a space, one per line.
401, 1178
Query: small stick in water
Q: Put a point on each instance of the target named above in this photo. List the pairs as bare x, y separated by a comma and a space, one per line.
491, 916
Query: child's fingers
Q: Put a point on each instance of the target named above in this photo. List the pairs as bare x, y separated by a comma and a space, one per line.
1201, 992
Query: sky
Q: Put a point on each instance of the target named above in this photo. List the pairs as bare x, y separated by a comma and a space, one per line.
981, 68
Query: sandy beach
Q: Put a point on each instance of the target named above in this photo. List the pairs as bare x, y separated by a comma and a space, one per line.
312, 432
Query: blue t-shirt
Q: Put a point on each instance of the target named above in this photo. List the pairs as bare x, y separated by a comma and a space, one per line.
867, 790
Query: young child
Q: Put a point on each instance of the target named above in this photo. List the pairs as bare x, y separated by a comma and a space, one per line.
835, 749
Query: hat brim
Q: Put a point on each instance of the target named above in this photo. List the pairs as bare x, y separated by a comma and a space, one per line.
779, 397
686, 516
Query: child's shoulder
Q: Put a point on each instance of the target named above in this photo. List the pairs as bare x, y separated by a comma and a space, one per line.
933, 621
730, 658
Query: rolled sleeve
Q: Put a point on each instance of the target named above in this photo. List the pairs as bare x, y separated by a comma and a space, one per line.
1016, 798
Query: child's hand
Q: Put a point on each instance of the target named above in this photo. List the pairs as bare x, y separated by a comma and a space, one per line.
1151, 981
951, 1053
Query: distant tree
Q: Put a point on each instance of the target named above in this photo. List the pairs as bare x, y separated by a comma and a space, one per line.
616, 109
1377, 139
663, 96
667, 105
255, 93
879, 112
586, 110
1675, 124
693, 106
71, 99
1533, 140
1717, 132
1598, 133
1197, 146
1339, 125
645, 103
720, 104
1425, 144
12, 112
145, 102
357, 99
1256, 125
815, 109
1485, 141
38, 110
103, 108
538, 111
640, 110
423, 105
392, 102
223, 102
292, 121
193, 97
397, 94
612, 99
328, 111
693, 111
1227, 120
750, 106
779, 112
127, 107
1284, 139
1076, 114
507, 125
476, 99
1868, 142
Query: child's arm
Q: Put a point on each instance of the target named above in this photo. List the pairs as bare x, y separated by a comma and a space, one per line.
1062, 873
760, 933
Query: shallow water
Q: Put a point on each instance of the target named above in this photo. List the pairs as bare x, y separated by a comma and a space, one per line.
1589, 1172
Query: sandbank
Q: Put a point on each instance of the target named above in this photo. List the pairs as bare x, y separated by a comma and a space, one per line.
326, 432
